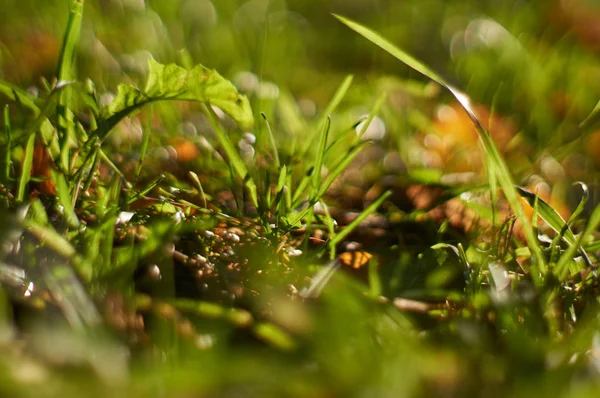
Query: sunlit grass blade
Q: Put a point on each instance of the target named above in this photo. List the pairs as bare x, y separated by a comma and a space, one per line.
271, 140
301, 187
318, 165
552, 218
279, 196
274, 335
355, 223
66, 72
7, 146
567, 225
66, 62
236, 162
330, 223
19, 96
365, 125
338, 168
141, 193
60, 245
490, 169
145, 141
329, 109
582, 203
194, 177
26, 168
501, 170
64, 198
592, 118
562, 267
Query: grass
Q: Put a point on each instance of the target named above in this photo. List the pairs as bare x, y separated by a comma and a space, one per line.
180, 231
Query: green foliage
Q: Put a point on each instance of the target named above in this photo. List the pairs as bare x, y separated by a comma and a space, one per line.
180, 249
171, 82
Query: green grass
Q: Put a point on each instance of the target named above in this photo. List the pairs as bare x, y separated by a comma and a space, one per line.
182, 231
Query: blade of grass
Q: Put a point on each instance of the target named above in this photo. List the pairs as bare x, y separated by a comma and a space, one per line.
19, 96
490, 167
553, 219
562, 268
375, 285
26, 169
301, 188
367, 212
272, 140
370, 118
592, 118
66, 65
194, 177
329, 109
331, 223
560, 236
501, 170
145, 141
64, 198
141, 193
280, 190
7, 145
336, 171
339, 167
318, 165
66, 72
235, 161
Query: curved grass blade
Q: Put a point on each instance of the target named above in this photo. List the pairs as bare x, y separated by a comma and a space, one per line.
19, 96
592, 117
501, 171
352, 226
582, 202
236, 163
562, 268
331, 107
574, 215
272, 140
553, 219
324, 186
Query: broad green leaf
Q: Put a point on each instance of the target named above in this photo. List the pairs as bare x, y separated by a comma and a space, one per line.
501, 171
172, 82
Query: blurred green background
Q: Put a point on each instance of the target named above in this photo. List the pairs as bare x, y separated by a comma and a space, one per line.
537, 61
